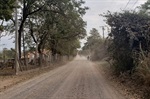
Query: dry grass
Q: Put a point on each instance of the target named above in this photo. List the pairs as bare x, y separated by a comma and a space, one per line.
143, 69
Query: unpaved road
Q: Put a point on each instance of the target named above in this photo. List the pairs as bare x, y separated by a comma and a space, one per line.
78, 79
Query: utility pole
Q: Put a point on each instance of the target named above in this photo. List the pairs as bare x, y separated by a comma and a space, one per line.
4, 54
16, 40
103, 29
103, 32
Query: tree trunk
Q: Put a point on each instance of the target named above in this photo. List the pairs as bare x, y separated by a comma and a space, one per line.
40, 59
40, 54
24, 54
20, 31
19, 45
19, 38
53, 54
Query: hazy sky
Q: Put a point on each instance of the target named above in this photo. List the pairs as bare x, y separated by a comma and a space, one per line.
92, 16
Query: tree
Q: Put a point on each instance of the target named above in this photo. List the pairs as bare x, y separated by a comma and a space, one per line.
144, 9
93, 40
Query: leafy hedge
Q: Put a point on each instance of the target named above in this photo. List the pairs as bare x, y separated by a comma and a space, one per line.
130, 35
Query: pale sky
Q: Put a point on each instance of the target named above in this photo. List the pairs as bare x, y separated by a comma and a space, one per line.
92, 16
102, 6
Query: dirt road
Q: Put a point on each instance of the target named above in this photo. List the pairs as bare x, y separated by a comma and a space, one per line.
78, 79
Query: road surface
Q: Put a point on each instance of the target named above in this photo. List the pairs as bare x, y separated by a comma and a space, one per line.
78, 79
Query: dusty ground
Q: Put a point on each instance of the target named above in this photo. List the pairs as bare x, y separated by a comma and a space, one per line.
78, 79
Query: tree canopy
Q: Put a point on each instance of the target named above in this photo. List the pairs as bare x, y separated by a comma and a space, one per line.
93, 39
6, 10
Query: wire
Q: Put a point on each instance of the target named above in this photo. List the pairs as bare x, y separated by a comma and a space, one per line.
135, 3
127, 4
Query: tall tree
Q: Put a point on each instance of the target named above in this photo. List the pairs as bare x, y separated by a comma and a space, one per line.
92, 40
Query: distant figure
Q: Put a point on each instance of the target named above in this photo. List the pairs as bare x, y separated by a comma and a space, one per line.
88, 57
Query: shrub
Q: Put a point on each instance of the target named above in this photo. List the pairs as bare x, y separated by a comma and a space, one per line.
128, 31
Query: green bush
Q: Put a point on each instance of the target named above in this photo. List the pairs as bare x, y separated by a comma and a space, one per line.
129, 32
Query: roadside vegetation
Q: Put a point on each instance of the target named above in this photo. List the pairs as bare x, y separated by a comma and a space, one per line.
129, 45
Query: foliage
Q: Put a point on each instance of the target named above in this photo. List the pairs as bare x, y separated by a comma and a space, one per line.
92, 40
6, 10
129, 30
145, 7
143, 66
65, 47
8, 54
52, 29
